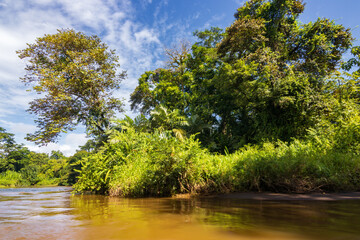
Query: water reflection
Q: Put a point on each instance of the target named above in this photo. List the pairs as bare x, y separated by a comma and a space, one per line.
53, 213
35, 213
311, 219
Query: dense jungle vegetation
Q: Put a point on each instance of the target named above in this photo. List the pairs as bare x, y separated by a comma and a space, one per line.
267, 104
21, 167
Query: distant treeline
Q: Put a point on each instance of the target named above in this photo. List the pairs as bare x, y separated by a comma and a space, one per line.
21, 167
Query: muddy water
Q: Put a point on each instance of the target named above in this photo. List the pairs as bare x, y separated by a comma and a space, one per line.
53, 213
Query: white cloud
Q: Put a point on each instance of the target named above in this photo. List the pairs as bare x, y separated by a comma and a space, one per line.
240, 2
92, 13
68, 146
146, 36
17, 127
23, 21
43, 2
15, 100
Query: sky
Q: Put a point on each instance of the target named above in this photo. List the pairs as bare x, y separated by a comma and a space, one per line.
138, 30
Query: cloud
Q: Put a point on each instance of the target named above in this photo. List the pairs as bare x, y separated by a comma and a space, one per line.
138, 43
14, 100
68, 146
22, 21
240, 2
146, 36
145, 3
18, 128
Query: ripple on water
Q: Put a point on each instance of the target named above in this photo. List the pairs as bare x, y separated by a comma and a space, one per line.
52, 213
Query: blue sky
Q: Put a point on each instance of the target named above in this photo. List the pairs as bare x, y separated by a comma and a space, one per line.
139, 30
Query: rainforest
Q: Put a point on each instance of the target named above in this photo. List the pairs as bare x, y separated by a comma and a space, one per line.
266, 104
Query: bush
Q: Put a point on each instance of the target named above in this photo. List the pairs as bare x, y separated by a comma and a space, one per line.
10, 179
143, 164
30, 174
298, 167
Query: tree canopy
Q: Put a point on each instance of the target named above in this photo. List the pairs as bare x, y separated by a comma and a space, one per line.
7, 142
75, 75
267, 76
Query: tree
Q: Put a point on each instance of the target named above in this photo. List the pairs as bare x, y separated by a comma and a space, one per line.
275, 70
140, 124
75, 75
13, 156
7, 142
165, 86
267, 76
165, 120
272, 26
74, 166
56, 155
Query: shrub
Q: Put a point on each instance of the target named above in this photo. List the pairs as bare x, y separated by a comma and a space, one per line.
10, 179
142, 164
134, 164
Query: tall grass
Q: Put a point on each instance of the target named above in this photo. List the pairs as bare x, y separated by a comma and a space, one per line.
10, 179
18, 179
281, 167
142, 164
136, 164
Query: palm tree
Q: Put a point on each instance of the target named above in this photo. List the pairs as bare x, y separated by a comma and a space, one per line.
196, 125
164, 121
140, 123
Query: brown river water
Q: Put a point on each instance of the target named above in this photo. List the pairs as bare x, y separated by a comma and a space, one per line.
54, 213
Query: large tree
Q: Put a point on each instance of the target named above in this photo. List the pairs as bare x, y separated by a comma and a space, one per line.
267, 76
13, 156
275, 70
164, 86
75, 75
7, 142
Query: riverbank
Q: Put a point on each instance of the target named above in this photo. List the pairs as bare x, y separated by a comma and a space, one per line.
30, 186
136, 164
12, 179
267, 196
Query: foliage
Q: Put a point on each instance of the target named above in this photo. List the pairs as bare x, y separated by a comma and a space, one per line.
136, 164
266, 92
166, 87
161, 121
22, 167
10, 179
296, 167
76, 75
340, 131
74, 166
30, 174
266, 77
141, 164
7, 142
164, 121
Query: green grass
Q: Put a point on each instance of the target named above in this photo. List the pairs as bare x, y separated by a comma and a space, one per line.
10, 179
297, 167
16, 179
141, 164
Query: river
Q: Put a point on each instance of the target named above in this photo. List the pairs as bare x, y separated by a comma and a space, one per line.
54, 213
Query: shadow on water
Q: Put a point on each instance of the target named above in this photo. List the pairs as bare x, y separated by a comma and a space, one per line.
243, 218
53, 213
